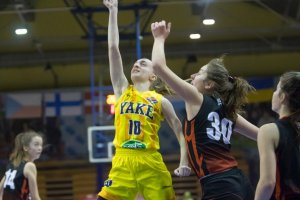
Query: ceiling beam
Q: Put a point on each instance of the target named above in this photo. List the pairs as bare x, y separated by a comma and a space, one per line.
70, 8
176, 51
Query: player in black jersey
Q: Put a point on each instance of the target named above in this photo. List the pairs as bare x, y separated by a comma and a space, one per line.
213, 102
279, 144
19, 181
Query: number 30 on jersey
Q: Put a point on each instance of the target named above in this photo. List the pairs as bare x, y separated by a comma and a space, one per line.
220, 127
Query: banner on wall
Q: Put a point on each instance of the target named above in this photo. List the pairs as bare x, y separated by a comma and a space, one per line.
24, 105
88, 102
63, 104
264, 89
100, 102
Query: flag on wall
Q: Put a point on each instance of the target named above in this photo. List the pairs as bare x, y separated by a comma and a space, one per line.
88, 102
27, 105
63, 104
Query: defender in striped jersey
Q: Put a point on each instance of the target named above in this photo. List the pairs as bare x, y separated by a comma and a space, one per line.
19, 181
213, 101
279, 144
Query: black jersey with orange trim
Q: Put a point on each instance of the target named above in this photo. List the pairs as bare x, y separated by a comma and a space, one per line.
208, 138
16, 184
288, 163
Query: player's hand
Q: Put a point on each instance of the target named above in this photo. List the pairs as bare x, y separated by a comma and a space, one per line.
161, 30
182, 171
110, 4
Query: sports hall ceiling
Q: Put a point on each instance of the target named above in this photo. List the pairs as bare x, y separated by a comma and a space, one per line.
260, 38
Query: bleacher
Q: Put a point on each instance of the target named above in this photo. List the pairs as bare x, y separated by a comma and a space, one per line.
74, 180
66, 180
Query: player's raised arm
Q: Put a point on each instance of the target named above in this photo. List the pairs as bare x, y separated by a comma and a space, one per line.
160, 32
118, 79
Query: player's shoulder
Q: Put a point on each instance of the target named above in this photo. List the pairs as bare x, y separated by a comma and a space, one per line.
268, 131
270, 127
29, 166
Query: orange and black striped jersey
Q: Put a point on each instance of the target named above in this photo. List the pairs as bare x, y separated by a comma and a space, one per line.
288, 163
137, 119
208, 138
16, 184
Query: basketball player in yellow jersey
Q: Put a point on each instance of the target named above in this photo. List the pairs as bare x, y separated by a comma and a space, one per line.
137, 166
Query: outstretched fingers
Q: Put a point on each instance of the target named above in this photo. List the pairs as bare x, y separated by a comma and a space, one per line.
169, 27
110, 3
161, 29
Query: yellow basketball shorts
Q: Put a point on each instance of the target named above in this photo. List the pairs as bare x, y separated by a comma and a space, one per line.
138, 171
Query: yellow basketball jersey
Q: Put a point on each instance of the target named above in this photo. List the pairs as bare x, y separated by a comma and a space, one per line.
137, 119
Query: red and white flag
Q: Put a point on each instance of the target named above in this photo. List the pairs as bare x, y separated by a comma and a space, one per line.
88, 102
23, 105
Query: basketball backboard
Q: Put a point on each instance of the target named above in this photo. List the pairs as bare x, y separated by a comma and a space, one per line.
100, 143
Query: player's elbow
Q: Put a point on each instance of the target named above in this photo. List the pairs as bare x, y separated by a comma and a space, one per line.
268, 184
36, 197
176, 123
113, 48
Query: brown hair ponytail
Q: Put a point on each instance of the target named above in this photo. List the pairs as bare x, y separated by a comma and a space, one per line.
232, 90
161, 87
